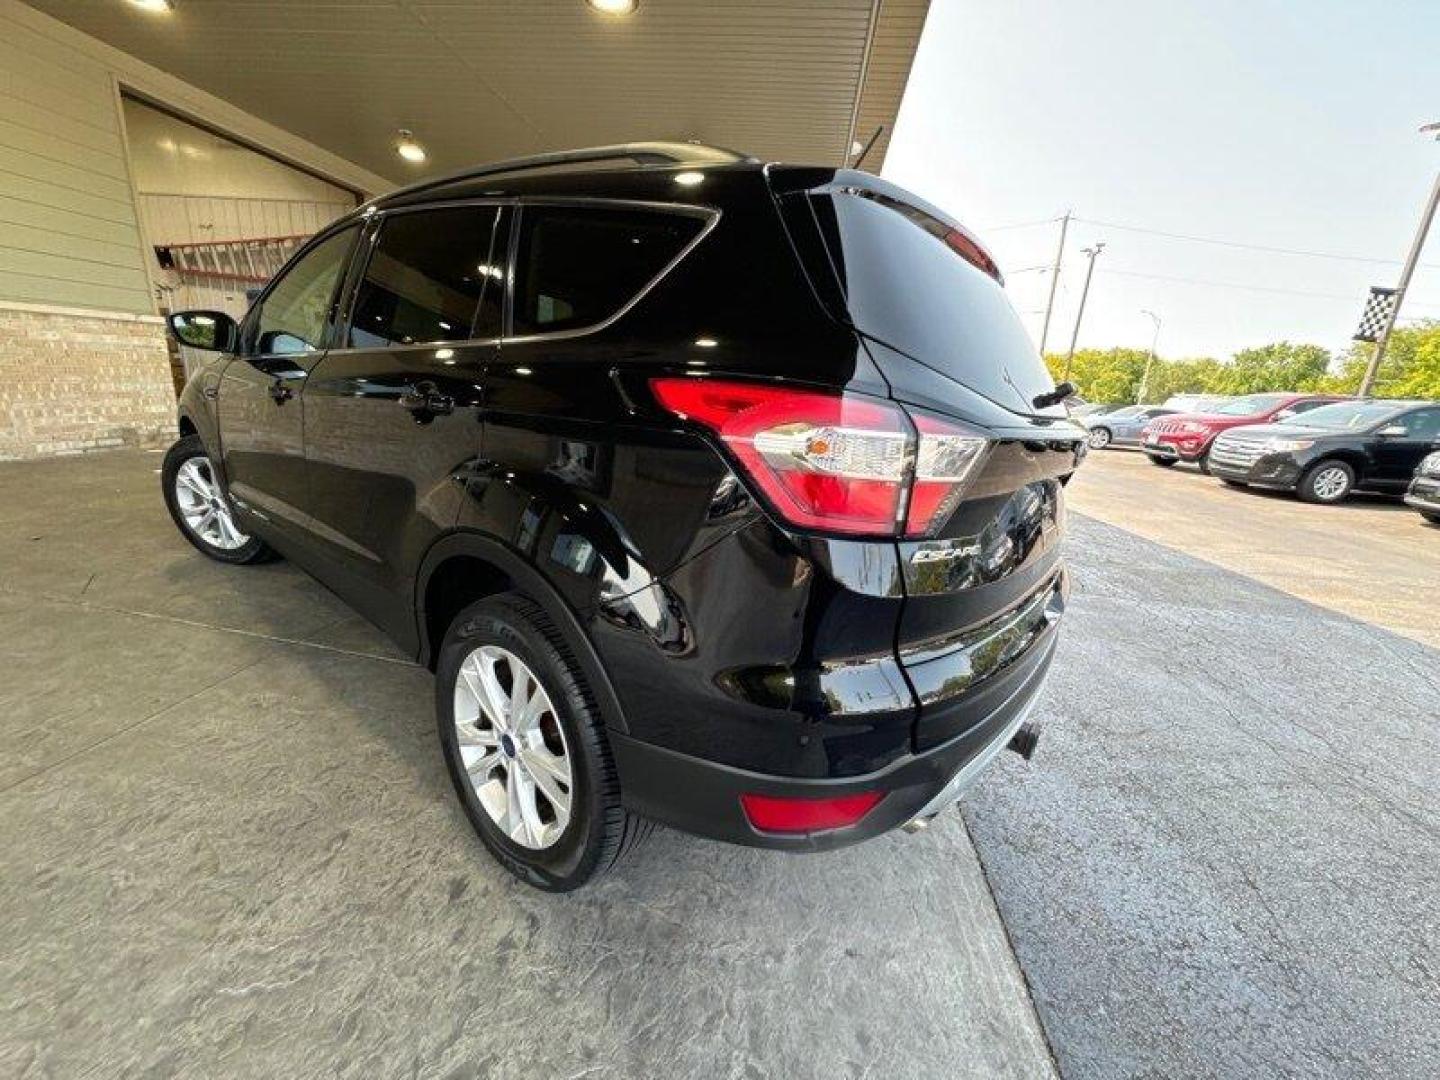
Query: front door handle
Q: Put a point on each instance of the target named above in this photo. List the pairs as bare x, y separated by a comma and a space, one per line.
280, 393
426, 398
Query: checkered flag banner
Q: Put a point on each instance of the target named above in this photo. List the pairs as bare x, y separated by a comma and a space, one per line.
1376, 314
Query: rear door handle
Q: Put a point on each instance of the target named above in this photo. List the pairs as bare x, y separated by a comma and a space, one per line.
280, 393
425, 397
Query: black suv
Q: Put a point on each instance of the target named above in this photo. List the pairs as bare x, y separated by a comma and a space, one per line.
1324, 454
716, 493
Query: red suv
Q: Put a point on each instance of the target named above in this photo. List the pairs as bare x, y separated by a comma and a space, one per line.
1189, 436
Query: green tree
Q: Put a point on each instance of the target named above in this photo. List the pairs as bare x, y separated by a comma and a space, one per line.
1103, 374
1193, 376
1411, 368
1277, 366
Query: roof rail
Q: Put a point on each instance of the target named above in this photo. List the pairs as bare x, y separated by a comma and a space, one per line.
641, 153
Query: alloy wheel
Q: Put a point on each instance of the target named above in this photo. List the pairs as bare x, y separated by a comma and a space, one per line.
1100, 438
203, 507
512, 747
1330, 483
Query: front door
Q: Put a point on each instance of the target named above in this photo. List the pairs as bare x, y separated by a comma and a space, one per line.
1398, 456
261, 419
392, 413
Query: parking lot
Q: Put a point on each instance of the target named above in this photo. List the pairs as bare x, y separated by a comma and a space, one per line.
227, 843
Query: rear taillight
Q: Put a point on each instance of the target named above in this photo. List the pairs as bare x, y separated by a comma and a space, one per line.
834, 462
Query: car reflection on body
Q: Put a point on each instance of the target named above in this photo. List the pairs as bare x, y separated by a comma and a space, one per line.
1121, 427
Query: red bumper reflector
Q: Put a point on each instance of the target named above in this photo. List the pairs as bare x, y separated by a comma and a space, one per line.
769, 813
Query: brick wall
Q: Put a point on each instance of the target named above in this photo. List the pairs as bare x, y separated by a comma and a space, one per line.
73, 380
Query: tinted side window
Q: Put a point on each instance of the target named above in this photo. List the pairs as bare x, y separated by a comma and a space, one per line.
292, 316
578, 266
1305, 406
425, 277
1422, 424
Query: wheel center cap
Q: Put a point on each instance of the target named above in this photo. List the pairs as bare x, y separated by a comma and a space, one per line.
507, 744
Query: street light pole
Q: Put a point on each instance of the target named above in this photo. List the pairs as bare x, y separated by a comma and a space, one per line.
1091, 251
1154, 341
1054, 281
1412, 260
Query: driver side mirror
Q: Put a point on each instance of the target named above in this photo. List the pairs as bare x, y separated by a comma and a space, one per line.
1283, 414
1393, 429
211, 330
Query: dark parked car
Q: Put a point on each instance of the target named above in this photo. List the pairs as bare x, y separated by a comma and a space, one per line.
1121, 427
1324, 454
1424, 490
717, 493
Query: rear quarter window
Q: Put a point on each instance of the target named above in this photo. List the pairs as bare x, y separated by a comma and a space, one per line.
576, 267
904, 285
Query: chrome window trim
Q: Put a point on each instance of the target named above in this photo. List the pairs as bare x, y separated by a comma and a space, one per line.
709, 214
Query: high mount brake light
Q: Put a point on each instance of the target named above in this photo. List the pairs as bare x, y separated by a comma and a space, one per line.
833, 462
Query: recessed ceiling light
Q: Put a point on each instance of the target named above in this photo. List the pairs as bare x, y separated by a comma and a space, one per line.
155, 7
689, 179
613, 7
408, 148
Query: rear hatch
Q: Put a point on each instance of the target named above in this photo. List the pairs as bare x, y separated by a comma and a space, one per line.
927, 302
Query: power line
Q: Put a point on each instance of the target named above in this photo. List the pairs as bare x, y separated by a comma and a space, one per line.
1247, 247
1019, 225
1235, 285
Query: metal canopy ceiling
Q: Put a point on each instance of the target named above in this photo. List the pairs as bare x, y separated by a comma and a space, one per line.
477, 80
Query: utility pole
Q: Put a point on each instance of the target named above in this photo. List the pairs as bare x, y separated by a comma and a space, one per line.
1054, 281
1149, 360
1091, 251
1373, 368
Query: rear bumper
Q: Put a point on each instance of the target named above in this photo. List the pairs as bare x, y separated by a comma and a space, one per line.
703, 797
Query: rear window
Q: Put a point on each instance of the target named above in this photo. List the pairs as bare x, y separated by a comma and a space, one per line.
906, 286
579, 266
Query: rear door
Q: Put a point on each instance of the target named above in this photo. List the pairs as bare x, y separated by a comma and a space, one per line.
261, 418
393, 410
1397, 456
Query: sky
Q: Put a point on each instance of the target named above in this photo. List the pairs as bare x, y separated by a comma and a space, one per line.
1278, 124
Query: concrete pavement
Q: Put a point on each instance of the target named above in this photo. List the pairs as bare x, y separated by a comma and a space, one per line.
228, 847
1371, 557
1222, 861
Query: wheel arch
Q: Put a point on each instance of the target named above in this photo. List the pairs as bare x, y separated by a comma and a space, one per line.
1354, 458
462, 567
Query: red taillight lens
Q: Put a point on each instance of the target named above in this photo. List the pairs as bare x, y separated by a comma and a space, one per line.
770, 813
833, 462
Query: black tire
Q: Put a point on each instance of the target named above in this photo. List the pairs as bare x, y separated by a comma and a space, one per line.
600, 831
253, 550
1204, 463
1163, 462
1322, 473
1434, 519
1100, 438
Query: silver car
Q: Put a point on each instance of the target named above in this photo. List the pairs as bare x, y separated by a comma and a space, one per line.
1121, 427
